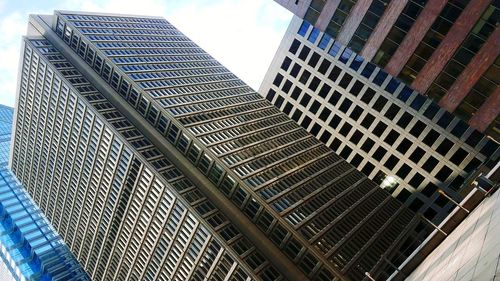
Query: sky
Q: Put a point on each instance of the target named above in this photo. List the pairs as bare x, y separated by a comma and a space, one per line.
242, 34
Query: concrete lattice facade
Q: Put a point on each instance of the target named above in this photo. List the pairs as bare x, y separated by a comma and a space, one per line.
153, 161
375, 122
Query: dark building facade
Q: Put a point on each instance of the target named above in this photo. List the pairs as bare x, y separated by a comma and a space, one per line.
154, 162
447, 50
400, 139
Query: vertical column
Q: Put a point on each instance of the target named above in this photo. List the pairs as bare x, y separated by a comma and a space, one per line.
383, 27
471, 74
417, 32
487, 112
326, 14
355, 16
450, 44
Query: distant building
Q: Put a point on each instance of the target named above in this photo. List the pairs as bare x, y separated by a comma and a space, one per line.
29, 247
154, 162
397, 137
447, 50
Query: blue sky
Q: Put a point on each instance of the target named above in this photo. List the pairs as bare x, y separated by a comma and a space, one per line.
242, 34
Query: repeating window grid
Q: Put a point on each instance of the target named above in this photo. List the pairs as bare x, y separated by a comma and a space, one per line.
463, 164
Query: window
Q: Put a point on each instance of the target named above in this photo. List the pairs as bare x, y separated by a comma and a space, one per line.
306, 121
277, 80
334, 99
405, 94
279, 101
368, 168
368, 120
405, 120
314, 35
429, 189
296, 115
287, 86
368, 70
391, 162
295, 70
379, 153
404, 146
431, 110
431, 137
325, 136
474, 138
356, 88
418, 102
303, 28
270, 95
356, 112
356, 137
417, 154
325, 65
335, 144
391, 137
368, 145
379, 129
295, 46
403, 171
296, 93
315, 129
324, 114
346, 104
304, 53
324, 41
314, 84
346, 79
335, 121
392, 111
368, 95
392, 85
314, 107
345, 129
286, 63
380, 77
379, 103
325, 89
346, 152
459, 156
444, 146
430, 164
288, 108
313, 61
356, 160
305, 77
334, 74
417, 129
305, 100
443, 174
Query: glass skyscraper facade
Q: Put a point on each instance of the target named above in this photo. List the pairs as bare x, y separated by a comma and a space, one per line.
29, 247
154, 162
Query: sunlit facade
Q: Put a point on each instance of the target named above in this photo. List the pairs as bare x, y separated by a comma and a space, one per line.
155, 162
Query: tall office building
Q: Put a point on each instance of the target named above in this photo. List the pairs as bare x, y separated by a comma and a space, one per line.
29, 247
154, 162
447, 50
397, 137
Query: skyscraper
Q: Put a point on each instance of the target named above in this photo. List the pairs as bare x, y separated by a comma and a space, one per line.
447, 50
29, 247
397, 137
153, 161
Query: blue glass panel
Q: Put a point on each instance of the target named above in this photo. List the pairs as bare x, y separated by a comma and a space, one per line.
380, 78
431, 110
303, 28
334, 49
314, 35
324, 41
356, 63
368, 70
392, 85
405, 93
418, 102
346, 55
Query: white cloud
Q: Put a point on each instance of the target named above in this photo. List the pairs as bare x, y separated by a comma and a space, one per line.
243, 35
11, 27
